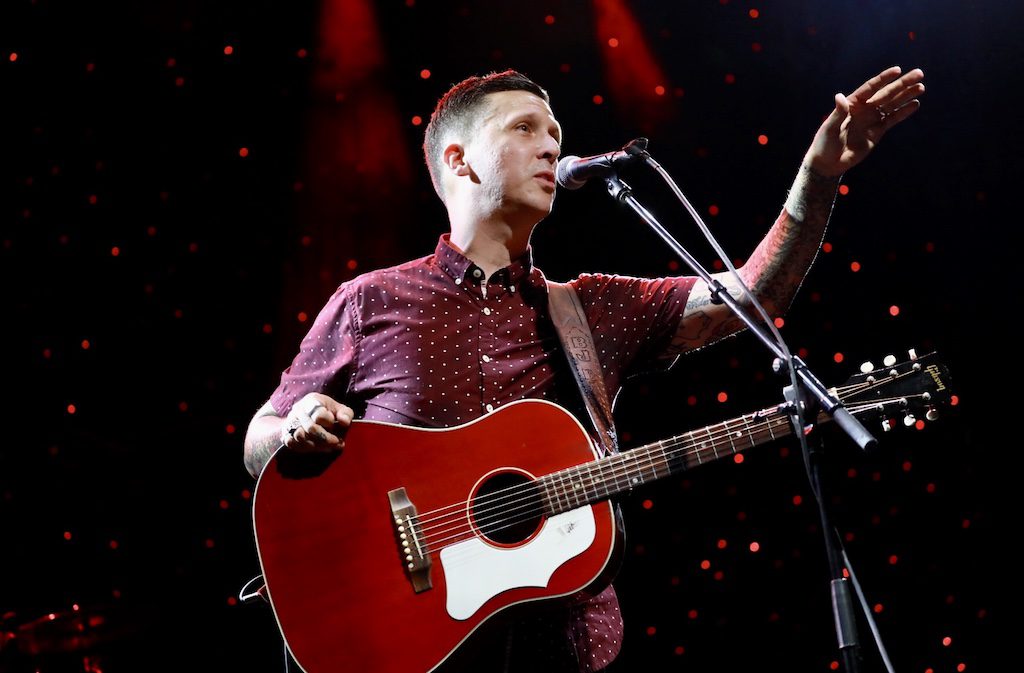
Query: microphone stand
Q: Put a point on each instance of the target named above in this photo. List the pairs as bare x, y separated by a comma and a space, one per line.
804, 396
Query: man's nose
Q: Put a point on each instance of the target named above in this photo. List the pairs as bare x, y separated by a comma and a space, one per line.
551, 150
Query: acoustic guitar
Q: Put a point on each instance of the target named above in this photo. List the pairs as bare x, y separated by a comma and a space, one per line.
388, 555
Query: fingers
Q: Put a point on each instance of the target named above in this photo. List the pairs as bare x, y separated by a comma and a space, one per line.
309, 423
870, 87
888, 102
900, 114
890, 89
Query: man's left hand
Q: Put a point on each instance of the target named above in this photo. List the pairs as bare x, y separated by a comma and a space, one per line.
861, 118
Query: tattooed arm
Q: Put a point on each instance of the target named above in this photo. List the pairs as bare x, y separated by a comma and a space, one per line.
315, 423
775, 269
778, 264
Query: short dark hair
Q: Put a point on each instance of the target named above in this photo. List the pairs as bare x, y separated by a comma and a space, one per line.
460, 109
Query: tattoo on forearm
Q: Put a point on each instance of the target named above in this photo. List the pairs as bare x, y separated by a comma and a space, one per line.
260, 454
811, 193
779, 263
693, 328
774, 270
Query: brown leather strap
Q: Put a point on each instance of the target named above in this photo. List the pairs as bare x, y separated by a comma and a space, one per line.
578, 343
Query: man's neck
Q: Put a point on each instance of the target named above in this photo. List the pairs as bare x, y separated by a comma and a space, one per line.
491, 244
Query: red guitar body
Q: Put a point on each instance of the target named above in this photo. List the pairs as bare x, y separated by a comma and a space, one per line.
335, 576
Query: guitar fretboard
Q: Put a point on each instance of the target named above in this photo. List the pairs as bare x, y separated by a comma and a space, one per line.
601, 479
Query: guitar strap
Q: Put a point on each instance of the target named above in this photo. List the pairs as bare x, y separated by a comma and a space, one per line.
578, 343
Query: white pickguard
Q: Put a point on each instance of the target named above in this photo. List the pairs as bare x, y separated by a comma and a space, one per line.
475, 571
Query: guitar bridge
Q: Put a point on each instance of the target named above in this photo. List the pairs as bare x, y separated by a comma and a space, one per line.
411, 547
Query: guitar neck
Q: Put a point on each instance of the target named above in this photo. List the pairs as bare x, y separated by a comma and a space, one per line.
607, 477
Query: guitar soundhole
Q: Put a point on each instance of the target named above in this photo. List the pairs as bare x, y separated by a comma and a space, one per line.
507, 508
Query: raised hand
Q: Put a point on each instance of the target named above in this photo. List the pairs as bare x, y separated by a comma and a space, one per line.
860, 119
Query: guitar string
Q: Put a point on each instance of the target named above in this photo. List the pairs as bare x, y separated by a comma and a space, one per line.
499, 499
848, 391
613, 468
467, 533
528, 510
619, 464
771, 413
464, 527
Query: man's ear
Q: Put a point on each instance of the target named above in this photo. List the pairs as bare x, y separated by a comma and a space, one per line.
454, 158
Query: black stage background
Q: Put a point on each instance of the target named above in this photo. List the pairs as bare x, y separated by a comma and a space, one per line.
184, 183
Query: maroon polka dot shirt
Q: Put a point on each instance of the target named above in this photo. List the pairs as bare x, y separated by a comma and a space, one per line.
432, 343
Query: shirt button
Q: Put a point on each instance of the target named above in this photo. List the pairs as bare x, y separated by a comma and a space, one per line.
487, 311
477, 273
486, 358
489, 407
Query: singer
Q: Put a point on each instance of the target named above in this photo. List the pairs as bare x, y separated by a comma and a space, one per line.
458, 334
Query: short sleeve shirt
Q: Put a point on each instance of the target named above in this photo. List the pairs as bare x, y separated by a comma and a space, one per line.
433, 343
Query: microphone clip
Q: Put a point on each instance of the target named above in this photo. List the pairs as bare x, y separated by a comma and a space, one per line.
573, 172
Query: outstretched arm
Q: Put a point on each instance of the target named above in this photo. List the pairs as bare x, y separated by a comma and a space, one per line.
779, 263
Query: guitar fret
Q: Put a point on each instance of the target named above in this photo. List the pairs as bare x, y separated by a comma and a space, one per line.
712, 437
664, 457
642, 463
728, 434
619, 471
604, 478
638, 471
546, 482
563, 476
595, 481
556, 490
750, 435
663, 461
650, 461
696, 448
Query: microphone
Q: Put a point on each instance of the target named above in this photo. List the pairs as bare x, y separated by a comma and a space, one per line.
573, 171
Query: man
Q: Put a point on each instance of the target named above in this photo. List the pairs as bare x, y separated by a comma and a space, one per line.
445, 339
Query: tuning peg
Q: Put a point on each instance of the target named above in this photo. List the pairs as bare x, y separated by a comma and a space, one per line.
866, 367
932, 414
886, 425
912, 353
889, 360
908, 419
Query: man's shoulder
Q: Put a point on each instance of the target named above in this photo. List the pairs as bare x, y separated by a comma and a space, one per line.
387, 276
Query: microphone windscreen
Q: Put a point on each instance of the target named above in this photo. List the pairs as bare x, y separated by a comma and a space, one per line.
562, 172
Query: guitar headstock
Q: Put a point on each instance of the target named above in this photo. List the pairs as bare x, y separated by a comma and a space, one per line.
913, 390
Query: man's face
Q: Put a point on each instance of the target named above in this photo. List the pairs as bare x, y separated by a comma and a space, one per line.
514, 151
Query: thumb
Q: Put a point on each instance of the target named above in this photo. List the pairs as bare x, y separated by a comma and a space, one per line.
842, 109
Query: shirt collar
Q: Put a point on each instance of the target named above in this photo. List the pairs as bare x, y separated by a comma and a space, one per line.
462, 269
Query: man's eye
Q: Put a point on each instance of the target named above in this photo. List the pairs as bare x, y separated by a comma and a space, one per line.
523, 127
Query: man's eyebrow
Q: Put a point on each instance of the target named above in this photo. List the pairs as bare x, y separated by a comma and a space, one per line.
535, 117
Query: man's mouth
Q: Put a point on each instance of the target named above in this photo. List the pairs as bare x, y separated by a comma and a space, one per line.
546, 176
